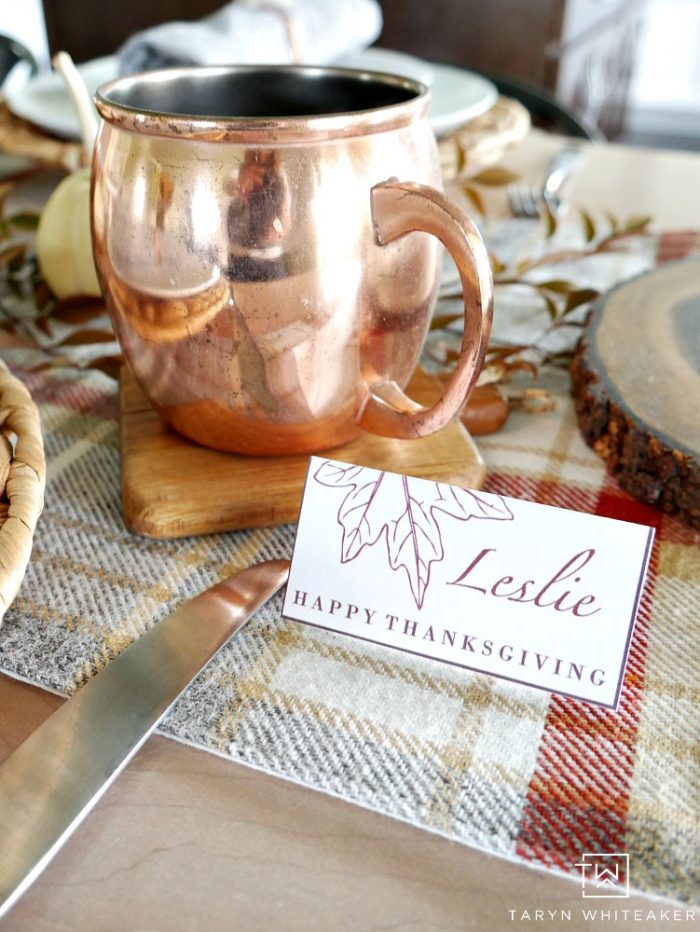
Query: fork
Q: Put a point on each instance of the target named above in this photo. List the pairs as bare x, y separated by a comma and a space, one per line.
527, 200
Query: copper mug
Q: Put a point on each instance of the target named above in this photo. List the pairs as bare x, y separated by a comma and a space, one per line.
261, 263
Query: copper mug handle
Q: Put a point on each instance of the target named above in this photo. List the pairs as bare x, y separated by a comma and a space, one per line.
401, 207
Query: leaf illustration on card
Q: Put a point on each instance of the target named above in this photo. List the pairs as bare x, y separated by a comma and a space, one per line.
465, 504
415, 542
338, 474
404, 512
360, 513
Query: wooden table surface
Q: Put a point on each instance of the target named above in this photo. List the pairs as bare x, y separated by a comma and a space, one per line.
187, 841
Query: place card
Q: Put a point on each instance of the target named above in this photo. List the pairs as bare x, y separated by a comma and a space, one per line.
537, 595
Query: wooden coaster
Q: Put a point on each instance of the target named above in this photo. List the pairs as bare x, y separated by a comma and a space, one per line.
174, 488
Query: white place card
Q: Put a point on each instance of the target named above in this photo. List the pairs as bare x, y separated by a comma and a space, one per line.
534, 594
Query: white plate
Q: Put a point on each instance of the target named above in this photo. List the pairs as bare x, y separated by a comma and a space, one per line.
44, 101
456, 95
387, 60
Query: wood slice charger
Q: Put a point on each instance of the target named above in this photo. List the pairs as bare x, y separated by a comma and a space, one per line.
636, 384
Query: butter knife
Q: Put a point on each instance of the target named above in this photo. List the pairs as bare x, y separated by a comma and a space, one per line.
52, 780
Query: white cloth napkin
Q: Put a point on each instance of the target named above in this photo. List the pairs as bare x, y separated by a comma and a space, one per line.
258, 32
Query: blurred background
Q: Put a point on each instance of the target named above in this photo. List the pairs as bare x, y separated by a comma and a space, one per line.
628, 69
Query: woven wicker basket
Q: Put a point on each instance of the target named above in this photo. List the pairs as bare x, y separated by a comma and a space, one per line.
22, 480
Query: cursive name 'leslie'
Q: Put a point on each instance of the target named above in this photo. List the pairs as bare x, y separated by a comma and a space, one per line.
557, 592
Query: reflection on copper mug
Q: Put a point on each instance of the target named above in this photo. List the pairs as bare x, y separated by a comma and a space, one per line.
259, 258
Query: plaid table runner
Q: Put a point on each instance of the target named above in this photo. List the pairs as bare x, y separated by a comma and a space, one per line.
497, 766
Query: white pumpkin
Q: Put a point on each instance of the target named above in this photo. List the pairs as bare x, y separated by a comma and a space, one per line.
64, 242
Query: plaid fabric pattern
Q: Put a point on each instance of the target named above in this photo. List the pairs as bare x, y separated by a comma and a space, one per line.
498, 766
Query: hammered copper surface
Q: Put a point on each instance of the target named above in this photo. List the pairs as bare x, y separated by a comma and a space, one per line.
245, 272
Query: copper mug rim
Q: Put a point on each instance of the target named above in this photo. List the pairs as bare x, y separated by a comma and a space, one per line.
112, 103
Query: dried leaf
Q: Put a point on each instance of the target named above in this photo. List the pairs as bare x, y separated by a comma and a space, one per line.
461, 158
552, 308
78, 310
42, 366
550, 220
475, 198
86, 337
440, 321
589, 229
579, 296
110, 365
637, 224
497, 267
24, 221
494, 177
496, 352
557, 285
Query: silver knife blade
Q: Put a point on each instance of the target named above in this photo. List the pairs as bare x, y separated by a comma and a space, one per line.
52, 780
